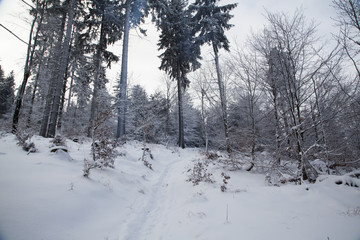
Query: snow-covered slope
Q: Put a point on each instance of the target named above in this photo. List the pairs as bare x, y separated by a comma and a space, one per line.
43, 195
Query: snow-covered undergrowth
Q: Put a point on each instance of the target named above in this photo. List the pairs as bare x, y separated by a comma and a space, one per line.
44, 196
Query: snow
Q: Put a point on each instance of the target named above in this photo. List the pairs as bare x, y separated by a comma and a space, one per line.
45, 196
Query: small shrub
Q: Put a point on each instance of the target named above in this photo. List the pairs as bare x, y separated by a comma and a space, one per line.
353, 212
58, 143
104, 152
25, 142
146, 152
58, 140
225, 181
88, 165
199, 173
103, 149
212, 155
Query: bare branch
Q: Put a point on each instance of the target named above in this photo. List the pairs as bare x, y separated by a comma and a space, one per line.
13, 34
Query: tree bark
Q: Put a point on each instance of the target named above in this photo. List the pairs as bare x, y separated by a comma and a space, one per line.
181, 140
27, 73
97, 82
204, 121
60, 78
49, 96
120, 132
62, 102
222, 99
28, 123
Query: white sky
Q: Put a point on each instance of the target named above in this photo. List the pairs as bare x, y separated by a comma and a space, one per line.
143, 55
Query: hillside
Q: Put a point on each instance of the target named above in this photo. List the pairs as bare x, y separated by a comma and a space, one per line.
45, 196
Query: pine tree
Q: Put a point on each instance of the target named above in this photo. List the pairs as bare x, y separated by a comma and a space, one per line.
181, 51
106, 15
6, 92
62, 72
134, 14
59, 59
28, 63
138, 112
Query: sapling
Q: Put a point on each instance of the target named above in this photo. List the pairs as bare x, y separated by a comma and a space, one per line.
146, 151
199, 173
58, 143
25, 142
225, 181
103, 149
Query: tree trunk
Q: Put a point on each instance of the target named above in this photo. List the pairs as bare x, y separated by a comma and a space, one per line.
27, 73
28, 123
62, 102
181, 140
222, 99
322, 128
204, 121
277, 125
120, 132
49, 96
253, 127
60, 78
70, 89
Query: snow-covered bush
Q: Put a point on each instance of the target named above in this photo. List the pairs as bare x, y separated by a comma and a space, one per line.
103, 155
146, 152
103, 148
58, 140
58, 143
212, 155
320, 166
199, 173
88, 165
277, 175
353, 212
350, 179
225, 181
104, 152
24, 140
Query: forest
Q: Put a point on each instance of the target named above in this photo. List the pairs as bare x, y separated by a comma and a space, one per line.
285, 92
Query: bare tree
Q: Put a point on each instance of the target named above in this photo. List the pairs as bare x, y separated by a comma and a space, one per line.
288, 45
202, 89
213, 20
349, 22
247, 78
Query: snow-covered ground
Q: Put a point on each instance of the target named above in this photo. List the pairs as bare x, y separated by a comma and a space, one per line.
43, 195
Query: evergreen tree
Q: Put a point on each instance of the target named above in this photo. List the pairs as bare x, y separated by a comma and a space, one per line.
181, 50
134, 14
60, 60
138, 112
192, 126
61, 77
106, 15
6, 93
28, 62
160, 110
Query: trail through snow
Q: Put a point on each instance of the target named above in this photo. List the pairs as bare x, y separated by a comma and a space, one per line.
145, 220
45, 195
151, 219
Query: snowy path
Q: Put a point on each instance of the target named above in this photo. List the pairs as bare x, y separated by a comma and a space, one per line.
46, 196
145, 220
174, 209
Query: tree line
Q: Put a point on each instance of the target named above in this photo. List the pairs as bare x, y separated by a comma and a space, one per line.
283, 91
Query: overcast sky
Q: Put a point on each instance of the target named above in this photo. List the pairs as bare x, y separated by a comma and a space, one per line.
143, 60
